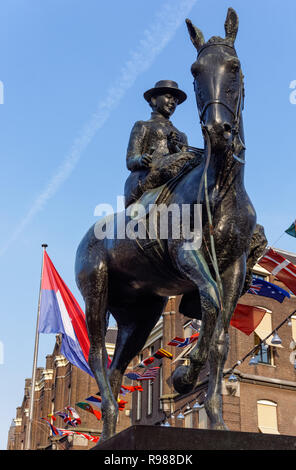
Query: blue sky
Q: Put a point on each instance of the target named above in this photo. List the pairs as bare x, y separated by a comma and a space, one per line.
74, 73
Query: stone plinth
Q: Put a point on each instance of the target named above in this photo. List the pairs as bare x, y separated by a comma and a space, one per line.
162, 438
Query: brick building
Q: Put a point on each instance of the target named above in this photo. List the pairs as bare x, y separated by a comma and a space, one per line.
262, 400
58, 385
264, 397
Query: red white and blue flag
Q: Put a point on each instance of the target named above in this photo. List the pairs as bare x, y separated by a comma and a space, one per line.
63, 415
149, 374
74, 418
66, 432
181, 342
61, 313
267, 289
95, 400
55, 431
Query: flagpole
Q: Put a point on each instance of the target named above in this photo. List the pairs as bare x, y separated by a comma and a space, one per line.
273, 244
31, 408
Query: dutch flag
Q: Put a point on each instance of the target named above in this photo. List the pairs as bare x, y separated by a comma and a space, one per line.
61, 313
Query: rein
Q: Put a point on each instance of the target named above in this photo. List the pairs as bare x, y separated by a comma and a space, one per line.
236, 115
213, 255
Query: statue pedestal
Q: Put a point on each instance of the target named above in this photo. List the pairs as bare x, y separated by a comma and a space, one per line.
161, 438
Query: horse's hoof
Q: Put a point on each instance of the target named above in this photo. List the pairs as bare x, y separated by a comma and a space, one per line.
179, 382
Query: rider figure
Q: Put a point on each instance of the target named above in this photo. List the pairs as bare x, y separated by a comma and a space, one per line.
157, 149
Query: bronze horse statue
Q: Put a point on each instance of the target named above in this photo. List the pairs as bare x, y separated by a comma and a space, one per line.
120, 276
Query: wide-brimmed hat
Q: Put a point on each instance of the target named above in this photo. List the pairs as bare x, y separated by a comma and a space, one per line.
165, 86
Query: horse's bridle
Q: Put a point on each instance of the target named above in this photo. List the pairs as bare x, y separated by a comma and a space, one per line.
236, 114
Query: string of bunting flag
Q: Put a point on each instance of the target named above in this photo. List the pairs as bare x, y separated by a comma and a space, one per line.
285, 271
232, 377
70, 417
38, 423
67, 432
263, 341
246, 318
151, 372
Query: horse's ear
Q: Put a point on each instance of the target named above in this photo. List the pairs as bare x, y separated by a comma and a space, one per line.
196, 35
231, 24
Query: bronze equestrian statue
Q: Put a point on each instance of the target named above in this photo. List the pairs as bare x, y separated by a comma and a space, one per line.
132, 279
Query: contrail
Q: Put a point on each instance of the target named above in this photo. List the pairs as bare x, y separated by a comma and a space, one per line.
155, 38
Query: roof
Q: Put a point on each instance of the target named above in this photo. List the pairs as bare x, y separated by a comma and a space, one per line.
111, 335
287, 254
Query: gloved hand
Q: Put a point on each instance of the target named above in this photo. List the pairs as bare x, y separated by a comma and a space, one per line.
145, 160
174, 143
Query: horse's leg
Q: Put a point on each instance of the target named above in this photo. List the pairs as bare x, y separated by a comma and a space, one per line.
192, 264
134, 326
95, 293
233, 280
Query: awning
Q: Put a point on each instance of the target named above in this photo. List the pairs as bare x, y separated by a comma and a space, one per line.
266, 430
267, 417
293, 320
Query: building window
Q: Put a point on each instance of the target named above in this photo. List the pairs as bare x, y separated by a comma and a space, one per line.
150, 397
139, 396
139, 405
160, 386
263, 353
267, 417
202, 419
264, 330
188, 421
150, 389
259, 276
187, 332
293, 324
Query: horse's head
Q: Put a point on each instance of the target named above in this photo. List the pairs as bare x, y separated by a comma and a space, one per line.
218, 85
